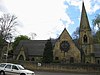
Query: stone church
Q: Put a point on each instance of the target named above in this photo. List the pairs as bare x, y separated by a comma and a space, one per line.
65, 49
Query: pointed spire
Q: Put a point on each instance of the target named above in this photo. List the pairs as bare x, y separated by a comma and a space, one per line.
84, 23
82, 1
83, 7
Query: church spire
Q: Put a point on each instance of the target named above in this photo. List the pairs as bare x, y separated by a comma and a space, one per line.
84, 23
85, 38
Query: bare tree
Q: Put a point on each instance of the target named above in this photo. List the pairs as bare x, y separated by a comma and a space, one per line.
7, 25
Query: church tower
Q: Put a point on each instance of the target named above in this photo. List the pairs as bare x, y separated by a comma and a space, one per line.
85, 38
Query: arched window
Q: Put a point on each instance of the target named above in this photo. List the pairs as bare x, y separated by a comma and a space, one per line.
98, 61
85, 39
56, 58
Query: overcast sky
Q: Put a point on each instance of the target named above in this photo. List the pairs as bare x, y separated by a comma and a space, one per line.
48, 18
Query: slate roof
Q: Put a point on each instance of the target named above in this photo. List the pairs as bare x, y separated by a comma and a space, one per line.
32, 47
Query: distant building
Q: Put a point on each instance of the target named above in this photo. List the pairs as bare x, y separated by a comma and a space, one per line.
64, 48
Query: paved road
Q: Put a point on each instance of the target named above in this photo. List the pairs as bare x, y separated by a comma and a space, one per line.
55, 73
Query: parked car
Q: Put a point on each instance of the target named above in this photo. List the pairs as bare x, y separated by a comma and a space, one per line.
14, 69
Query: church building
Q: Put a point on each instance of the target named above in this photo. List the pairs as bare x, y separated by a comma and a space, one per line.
65, 49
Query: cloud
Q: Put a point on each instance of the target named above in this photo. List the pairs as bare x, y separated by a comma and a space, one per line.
45, 17
2, 7
96, 7
91, 5
76, 3
39, 16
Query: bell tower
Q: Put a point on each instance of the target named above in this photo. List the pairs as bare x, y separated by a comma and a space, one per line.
85, 38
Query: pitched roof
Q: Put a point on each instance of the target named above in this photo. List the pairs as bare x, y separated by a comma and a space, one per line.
65, 30
32, 47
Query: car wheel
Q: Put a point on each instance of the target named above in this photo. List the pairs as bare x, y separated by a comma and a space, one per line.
22, 74
2, 73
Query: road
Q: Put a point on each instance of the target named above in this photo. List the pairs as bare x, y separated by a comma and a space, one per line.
59, 73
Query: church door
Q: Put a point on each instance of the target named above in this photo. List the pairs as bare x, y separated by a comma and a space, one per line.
21, 57
71, 59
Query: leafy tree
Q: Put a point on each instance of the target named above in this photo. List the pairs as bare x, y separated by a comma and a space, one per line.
2, 43
18, 39
96, 21
97, 37
48, 52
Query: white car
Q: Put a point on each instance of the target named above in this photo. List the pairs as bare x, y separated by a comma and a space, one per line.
14, 69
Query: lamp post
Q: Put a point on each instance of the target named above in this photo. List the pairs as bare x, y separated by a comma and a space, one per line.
8, 46
6, 54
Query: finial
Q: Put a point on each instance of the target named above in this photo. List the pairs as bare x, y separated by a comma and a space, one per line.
64, 28
83, 2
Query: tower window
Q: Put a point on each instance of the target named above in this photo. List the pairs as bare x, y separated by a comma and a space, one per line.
56, 58
85, 39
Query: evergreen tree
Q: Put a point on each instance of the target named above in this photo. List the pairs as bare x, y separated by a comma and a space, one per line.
48, 52
2, 43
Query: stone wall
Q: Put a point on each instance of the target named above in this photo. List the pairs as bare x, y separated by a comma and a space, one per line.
83, 68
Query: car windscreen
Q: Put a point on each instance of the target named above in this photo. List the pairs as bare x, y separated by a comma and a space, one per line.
20, 67
2, 65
